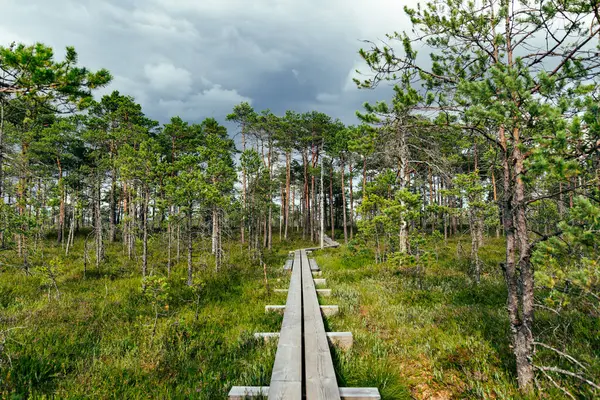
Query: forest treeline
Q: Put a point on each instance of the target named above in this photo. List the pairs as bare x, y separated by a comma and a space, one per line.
497, 134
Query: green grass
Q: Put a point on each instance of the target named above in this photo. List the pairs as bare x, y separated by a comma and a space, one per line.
439, 336
95, 341
433, 336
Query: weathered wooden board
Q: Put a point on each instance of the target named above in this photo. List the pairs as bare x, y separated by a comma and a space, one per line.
320, 383
313, 264
286, 379
359, 393
342, 340
245, 392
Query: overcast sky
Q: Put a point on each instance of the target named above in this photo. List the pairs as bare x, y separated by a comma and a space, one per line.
198, 58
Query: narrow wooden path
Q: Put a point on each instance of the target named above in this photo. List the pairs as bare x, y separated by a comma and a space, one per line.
303, 367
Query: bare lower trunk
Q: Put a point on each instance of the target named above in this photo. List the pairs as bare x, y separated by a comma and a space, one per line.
70, 238
344, 219
98, 226
178, 241
190, 249
475, 264
145, 234
331, 202
287, 192
270, 226
169, 237
524, 335
112, 231
216, 239
351, 200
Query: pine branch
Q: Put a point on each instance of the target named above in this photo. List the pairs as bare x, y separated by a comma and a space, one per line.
568, 373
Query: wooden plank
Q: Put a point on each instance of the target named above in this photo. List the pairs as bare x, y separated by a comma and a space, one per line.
320, 281
359, 394
313, 264
343, 340
322, 292
320, 383
246, 392
286, 379
329, 311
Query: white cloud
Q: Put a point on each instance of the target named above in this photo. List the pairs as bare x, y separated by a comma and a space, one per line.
327, 98
170, 53
214, 102
168, 79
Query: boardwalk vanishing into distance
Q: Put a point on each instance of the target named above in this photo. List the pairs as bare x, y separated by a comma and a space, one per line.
303, 365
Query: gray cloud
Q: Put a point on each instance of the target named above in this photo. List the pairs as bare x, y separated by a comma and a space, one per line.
200, 58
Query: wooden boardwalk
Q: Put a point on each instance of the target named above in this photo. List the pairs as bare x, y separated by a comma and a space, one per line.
319, 375
286, 380
303, 365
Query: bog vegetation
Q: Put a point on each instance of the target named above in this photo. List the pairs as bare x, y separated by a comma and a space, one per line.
135, 257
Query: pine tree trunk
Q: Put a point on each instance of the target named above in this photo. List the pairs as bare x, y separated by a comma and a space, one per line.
169, 240
524, 342
281, 211
145, 233
112, 232
306, 203
344, 221
331, 202
474, 246
217, 238
189, 247
243, 223
98, 224
61, 208
351, 184
288, 174
312, 198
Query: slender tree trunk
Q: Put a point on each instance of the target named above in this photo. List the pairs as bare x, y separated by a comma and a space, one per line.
331, 202
524, 334
344, 221
61, 207
322, 210
189, 247
131, 231
561, 204
145, 233
403, 234
351, 184
98, 224
282, 211
293, 206
112, 206
364, 177
178, 239
474, 245
71, 236
169, 240
312, 196
288, 174
243, 224
306, 211
217, 238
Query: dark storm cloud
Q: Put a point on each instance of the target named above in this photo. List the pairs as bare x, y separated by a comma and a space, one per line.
200, 58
